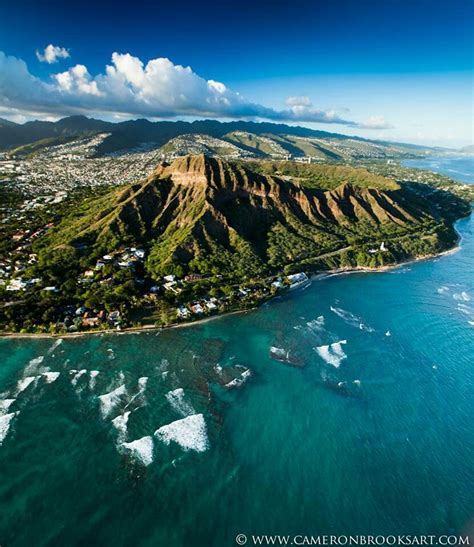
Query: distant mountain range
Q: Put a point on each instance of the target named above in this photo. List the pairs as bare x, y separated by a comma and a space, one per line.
239, 139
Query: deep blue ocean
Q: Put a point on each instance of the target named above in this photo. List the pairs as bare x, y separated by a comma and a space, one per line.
131, 440
456, 167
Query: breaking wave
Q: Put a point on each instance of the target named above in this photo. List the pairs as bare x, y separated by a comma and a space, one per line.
178, 402
77, 376
190, 433
50, 377
110, 400
56, 344
463, 308
316, 324
24, 383
142, 383
141, 450
33, 365
5, 404
5, 422
120, 424
443, 289
462, 296
333, 354
351, 319
93, 378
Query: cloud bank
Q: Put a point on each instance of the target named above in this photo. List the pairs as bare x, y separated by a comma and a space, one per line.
129, 87
52, 54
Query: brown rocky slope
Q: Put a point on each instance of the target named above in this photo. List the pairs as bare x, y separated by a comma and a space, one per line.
207, 215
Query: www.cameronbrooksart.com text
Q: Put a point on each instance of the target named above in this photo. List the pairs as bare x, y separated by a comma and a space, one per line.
364, 540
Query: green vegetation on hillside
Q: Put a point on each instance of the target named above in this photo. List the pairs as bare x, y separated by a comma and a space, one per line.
323, 176
226, 228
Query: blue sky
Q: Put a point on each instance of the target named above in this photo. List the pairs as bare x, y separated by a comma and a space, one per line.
392, 69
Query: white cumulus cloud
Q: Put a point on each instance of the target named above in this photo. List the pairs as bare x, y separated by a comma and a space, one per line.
77, 80
130, 87
375, 122
52, 54
301, 109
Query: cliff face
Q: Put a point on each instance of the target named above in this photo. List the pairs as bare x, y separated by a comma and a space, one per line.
210, 213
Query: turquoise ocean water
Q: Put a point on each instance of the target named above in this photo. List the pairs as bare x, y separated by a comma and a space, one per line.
375, 434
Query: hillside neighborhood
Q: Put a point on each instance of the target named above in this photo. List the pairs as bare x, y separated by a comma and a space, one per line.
43, 182
79, 316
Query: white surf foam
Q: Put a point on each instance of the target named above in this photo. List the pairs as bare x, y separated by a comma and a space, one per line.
56, 344
337, 348
351, 319
93, 378
314, 326
462, 296
443, 289
239, 381
177, 400
33, 365
50, 377
398, 271
24, 383
190, 433
463, 308
317, 324
5, 422
5, 404
333, 354
142, 383
141, 449
344, 314
120, 424
78, 376
109, 400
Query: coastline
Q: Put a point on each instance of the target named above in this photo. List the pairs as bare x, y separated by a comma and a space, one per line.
127, 330
313, 277
388, 267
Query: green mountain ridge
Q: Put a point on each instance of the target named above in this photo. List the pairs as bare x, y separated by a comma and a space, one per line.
132, 133
206, 215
